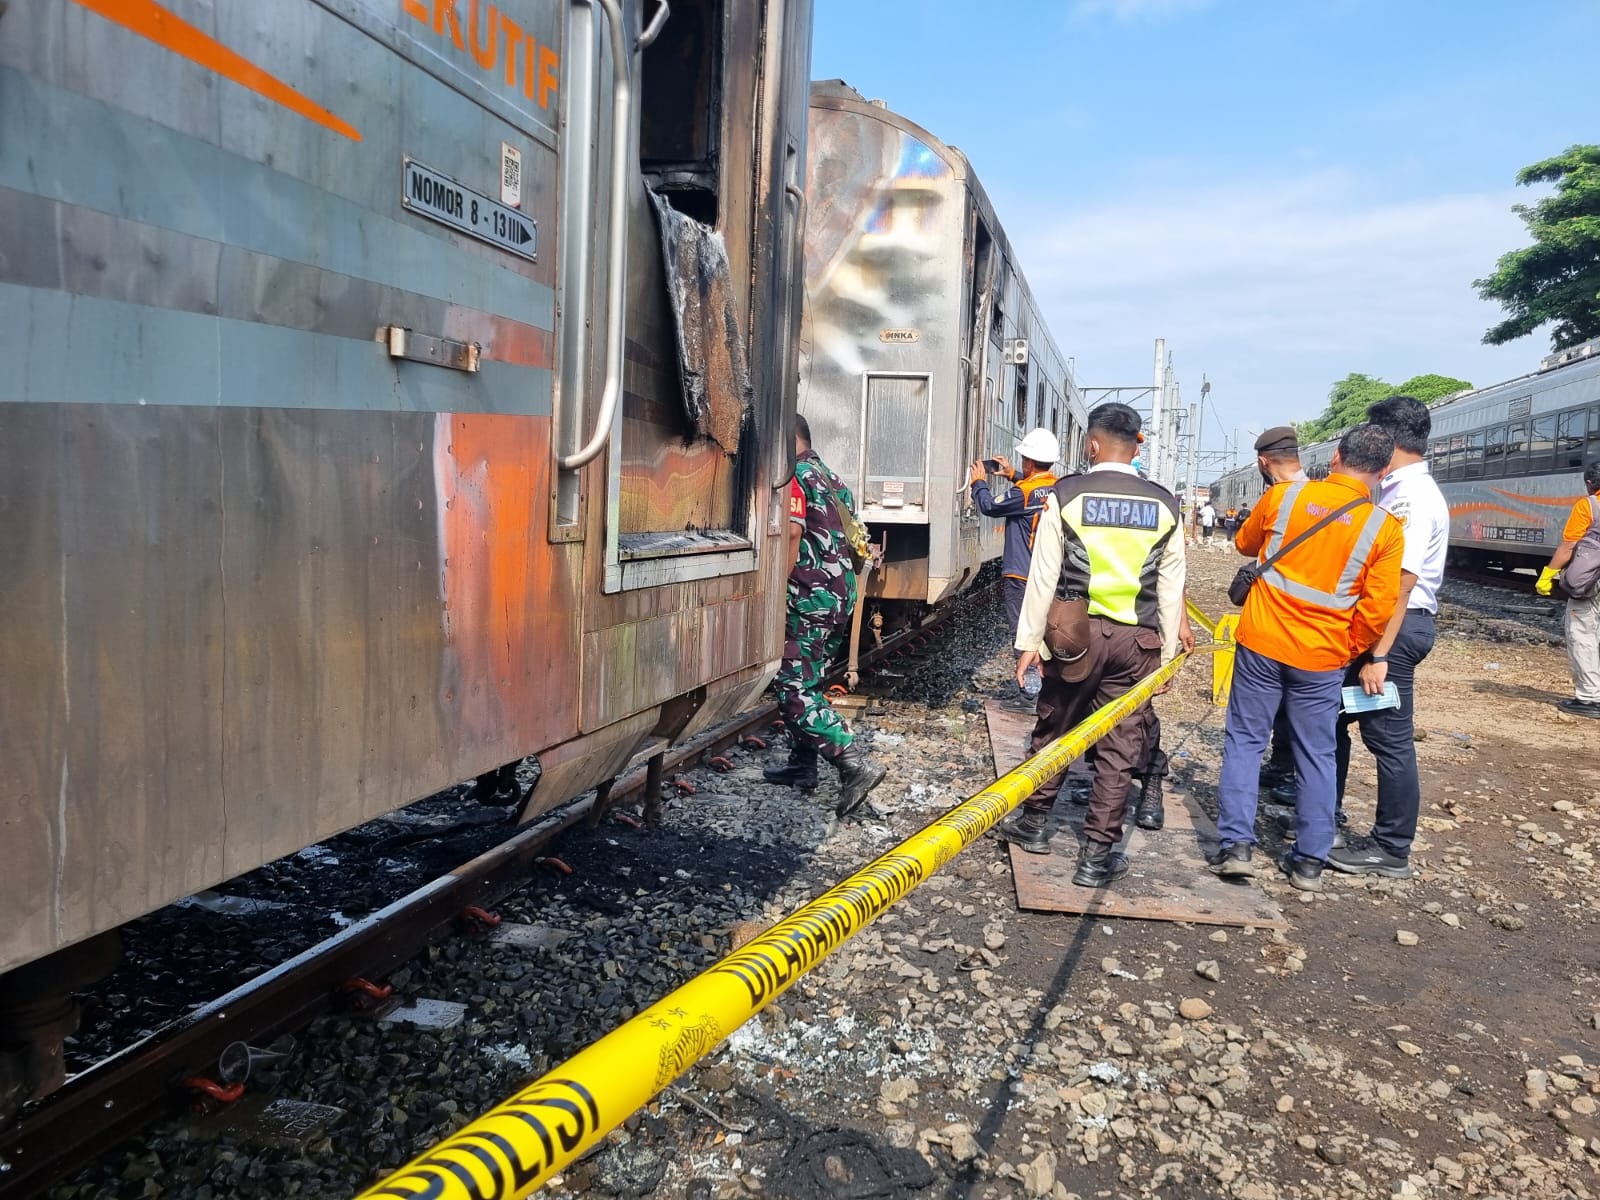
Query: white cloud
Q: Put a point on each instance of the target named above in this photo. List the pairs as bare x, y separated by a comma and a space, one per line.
1135, 10
1273, 288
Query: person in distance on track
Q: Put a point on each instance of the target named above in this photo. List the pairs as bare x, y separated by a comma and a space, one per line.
1583, 616
1412, 497
1208, 521
1320, 607
821, 599
1108, 574
1021, 509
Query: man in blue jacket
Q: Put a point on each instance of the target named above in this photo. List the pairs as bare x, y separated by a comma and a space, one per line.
1021, 508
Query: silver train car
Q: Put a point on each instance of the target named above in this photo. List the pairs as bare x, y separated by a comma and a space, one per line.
923, 348
394, 390
1243, 486
1509, 459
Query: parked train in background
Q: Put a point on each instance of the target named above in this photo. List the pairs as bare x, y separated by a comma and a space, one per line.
923, 348
1243, 486
379, 410
1509, 459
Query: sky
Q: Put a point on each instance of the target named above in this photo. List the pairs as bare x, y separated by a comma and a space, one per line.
1285, 190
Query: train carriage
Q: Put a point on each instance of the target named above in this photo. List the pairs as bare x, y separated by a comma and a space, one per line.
1509, 459
394, 389
923, 348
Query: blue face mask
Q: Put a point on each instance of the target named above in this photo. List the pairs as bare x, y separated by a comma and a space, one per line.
1138, 463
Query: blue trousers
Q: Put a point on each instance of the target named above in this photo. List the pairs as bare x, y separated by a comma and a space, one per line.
1312, 699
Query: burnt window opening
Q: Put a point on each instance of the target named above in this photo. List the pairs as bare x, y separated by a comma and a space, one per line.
680, 121
1022, 396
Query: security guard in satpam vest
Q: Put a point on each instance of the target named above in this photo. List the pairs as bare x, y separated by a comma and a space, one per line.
1103, 609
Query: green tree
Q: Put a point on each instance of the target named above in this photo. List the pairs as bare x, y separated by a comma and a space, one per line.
1557, 279
1347, 405
1349, 399
1429, 388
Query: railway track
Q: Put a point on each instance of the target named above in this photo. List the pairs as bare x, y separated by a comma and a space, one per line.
173, 1066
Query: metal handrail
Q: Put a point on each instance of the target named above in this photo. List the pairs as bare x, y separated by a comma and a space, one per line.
653, 30
795, 199
617, 242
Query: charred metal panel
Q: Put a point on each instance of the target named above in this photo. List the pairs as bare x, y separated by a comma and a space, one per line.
909, 277
713, 372
885, 243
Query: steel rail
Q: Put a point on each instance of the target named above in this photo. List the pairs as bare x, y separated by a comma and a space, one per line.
134, 1087
514, 1148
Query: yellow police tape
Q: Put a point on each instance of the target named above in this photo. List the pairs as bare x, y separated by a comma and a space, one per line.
512, 1149
1200, 618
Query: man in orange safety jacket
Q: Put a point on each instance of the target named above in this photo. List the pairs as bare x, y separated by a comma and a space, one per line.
1313, 611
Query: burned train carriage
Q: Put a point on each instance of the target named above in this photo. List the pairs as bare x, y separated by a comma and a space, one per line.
393, 390
923, 348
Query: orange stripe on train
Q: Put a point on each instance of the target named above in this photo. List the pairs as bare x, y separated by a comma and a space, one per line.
1551, 501
170, 31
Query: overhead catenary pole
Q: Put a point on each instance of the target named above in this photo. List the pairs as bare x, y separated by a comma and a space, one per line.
1175, 413
1194, 436
1153, 437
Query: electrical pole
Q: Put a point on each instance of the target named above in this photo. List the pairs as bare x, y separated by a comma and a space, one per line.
1157, 411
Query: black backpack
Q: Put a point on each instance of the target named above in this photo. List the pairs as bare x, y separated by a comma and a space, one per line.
1581, 578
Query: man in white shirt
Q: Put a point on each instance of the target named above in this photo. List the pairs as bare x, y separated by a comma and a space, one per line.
1414, 499
1208, 521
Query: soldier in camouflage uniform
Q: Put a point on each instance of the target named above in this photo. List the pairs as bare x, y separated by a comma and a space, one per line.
821, 600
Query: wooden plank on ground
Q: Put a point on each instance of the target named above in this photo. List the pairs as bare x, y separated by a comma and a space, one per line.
1168, 880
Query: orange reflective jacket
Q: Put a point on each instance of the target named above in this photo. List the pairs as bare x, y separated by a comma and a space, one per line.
1328, 600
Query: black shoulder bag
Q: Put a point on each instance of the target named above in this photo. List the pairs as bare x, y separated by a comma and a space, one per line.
1245, 579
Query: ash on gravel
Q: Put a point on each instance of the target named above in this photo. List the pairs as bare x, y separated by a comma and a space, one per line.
1020, 1054
645, 912
179, 957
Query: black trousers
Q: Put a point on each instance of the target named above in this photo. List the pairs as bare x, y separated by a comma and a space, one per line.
1390, 733
1121, 655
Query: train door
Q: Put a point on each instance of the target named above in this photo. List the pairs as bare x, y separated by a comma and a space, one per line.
892, 475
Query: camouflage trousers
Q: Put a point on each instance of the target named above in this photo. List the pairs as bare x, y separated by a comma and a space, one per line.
808, 649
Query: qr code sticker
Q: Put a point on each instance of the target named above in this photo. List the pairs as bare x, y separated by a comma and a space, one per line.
510, 176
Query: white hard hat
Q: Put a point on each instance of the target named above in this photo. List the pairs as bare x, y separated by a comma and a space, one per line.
1041, 446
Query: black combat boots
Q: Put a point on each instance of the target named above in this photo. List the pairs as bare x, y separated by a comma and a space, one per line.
1099, 865
859, 773
1025, 829
799, 772
1151, 811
